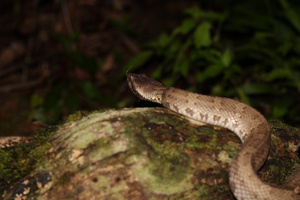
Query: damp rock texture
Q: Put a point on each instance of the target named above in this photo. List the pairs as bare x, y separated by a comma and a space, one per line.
146, 153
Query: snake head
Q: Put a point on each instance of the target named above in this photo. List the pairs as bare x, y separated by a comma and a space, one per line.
145, 88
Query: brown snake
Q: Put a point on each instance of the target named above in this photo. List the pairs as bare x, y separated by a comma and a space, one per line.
246, 122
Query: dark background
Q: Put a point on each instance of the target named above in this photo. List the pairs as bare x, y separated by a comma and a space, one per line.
58, 57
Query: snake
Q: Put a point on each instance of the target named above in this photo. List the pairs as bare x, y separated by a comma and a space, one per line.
246, 122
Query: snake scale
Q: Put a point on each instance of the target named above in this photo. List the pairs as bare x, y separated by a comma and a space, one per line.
246, 122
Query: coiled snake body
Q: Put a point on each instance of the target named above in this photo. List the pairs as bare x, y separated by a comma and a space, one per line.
250, 126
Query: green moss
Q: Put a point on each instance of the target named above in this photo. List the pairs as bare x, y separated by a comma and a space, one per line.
17, 161
203, 191
162, 176
163, 166
168, 149
77, 116
231, 148
194, 144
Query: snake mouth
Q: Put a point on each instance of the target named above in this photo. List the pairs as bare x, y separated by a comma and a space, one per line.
133, 80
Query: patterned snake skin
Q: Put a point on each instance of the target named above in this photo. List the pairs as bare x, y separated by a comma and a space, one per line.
250, 126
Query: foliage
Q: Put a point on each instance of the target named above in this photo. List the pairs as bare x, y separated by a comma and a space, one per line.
68, 94
248, 50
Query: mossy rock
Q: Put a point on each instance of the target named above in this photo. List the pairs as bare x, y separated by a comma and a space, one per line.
144, 153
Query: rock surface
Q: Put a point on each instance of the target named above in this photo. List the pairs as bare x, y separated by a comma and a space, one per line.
146, 153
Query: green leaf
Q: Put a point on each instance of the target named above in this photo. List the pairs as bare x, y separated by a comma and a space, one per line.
243, 96
278, 111
195, 12
157, 73
291, 15
168, 82
278, 73
186, 26
226, 58
182, 67
257, 88
210, 72
164, 40
210, 55
202, 36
